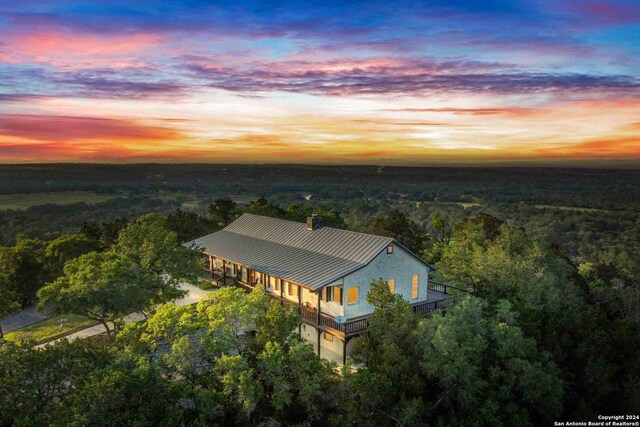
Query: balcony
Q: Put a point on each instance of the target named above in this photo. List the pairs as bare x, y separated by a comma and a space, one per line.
217, 277
439, 295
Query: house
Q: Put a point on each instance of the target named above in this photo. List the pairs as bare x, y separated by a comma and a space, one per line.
325, 273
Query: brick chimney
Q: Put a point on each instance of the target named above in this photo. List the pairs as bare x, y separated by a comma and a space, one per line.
314, 222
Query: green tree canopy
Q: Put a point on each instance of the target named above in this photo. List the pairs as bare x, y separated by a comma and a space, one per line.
129, 391
390, 385
188, 225
65, 248
101, 286
397, 225
151, 246
25, 268
264, 207
223, 211
35, 383
482, 370
8, 300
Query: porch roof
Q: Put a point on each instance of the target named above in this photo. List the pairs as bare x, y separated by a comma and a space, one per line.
286, 249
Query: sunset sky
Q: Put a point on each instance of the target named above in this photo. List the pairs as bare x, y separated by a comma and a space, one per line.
397, 82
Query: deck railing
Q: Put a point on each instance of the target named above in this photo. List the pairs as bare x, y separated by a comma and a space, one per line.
444, 288
215, 276
357, 326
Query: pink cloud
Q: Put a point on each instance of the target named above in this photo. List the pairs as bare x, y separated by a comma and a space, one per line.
78, 50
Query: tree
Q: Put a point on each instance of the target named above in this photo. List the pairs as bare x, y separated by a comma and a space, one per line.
65, 248
567, 314
264, 207
102, 287
151, 246
275, 325
396, 224
188, 225
170, 334
36, 383
390, 384
223, 211
443, 225
8, 301
106, 232
270, 376
25, 268
482, 370
228, 314
129, 391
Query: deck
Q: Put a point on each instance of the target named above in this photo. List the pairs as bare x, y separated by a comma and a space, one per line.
439, 295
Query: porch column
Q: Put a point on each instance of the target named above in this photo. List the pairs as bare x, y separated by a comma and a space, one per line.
319, 332
281, 291
299, 299
224, 272
344, 350
318, 313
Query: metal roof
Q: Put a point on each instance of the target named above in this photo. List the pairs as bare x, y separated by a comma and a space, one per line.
286, 249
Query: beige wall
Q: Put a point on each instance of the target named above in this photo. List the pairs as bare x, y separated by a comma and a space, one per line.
330, 350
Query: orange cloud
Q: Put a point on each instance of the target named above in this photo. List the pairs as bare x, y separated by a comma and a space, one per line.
70, 128
611, 148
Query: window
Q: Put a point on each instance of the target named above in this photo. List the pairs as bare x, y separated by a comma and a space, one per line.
392, 285
332, 294
328, 337
352, 295
415, 286
337, 294
390, 249
294, 290
277, 285
272, 282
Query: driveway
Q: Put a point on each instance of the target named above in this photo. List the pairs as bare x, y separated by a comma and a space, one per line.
194, 295
23, 318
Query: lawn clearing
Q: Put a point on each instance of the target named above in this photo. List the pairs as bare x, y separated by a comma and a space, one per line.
50, 329
27, 200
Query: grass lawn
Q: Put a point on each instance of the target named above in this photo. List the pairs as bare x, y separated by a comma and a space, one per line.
50, 329
26, 200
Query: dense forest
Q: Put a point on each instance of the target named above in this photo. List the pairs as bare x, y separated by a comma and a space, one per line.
550, 329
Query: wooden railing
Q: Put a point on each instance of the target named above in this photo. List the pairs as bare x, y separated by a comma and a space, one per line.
444, 288
308, 314
214, 276
358, 326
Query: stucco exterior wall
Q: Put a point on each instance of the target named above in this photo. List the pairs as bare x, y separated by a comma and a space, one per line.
309, 298
400, 266
330, 350
333, 308
309, 334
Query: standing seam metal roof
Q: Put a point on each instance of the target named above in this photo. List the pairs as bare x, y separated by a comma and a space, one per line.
286, 249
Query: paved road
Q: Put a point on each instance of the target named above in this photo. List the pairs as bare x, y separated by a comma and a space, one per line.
23, 318
194, 295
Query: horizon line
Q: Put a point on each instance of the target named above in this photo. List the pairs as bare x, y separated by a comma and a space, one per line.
620, 164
